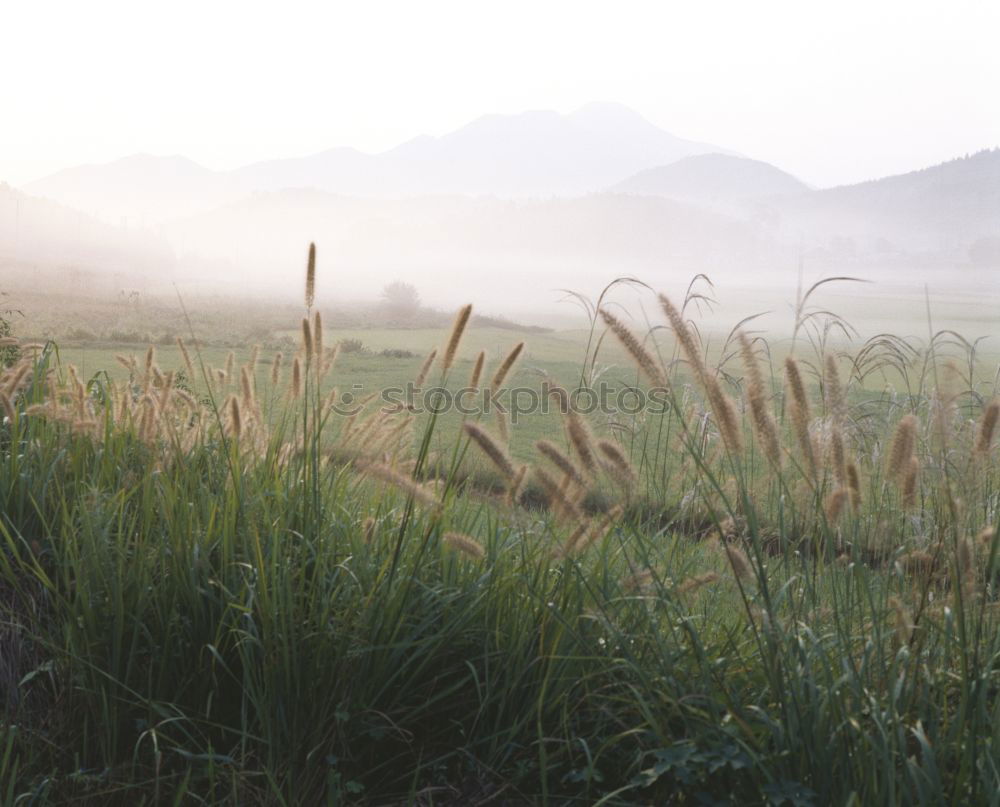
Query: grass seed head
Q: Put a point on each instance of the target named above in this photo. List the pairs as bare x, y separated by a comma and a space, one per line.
987, 426
904, 443
311, 276
492, 449
457, 329
642, 357
505, 367
464, 544
552, 453
765, 428
834, 505
477, 370
425, 369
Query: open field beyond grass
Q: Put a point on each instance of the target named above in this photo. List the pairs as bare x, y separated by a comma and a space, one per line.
779, 587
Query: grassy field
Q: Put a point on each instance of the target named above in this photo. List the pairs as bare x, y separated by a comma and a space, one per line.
762, 593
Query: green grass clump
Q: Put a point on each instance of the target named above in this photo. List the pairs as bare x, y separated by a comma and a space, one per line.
223, 593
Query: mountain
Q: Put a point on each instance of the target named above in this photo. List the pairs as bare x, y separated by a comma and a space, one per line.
720, 181
530, 154
943, 209
141, 189
538, 153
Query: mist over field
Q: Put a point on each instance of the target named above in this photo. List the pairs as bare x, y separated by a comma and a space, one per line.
506, 211
453, 404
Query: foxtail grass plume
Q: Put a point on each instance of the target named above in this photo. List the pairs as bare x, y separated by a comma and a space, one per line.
368, 529
903, 620
317, 336
838, 457
684, 337
402, 482
188, 364
500, 416
738, 562
425, 368
616, 462
722, 406
235, 417
552, 453
311, 276
457, 329
987, 426
559, 501
854, 486
638, 581
247, 385
505, 366
725, 415
692, 584
19, 376
276, 369
904, 444
8, 407
464, 544
649, 366
909, 483
307, 339
477, 370
833, 389
296, 388
598, 529
579, 438
764, 425
834, 505
800, 414
492, 449
514, 489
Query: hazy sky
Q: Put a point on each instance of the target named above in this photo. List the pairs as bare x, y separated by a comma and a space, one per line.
831, 91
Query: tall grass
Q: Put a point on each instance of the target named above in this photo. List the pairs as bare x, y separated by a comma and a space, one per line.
245, 598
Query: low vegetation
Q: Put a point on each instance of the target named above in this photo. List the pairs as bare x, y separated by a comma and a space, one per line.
779, 588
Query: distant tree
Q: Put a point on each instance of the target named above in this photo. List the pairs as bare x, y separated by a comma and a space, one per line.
985, 251
402, 299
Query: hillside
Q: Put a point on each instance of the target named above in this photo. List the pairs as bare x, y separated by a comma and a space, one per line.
714, 180
40, 233
944, 208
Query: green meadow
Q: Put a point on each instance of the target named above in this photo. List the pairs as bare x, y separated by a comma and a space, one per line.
779, 587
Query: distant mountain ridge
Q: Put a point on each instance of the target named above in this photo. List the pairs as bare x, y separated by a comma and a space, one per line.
539, 153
